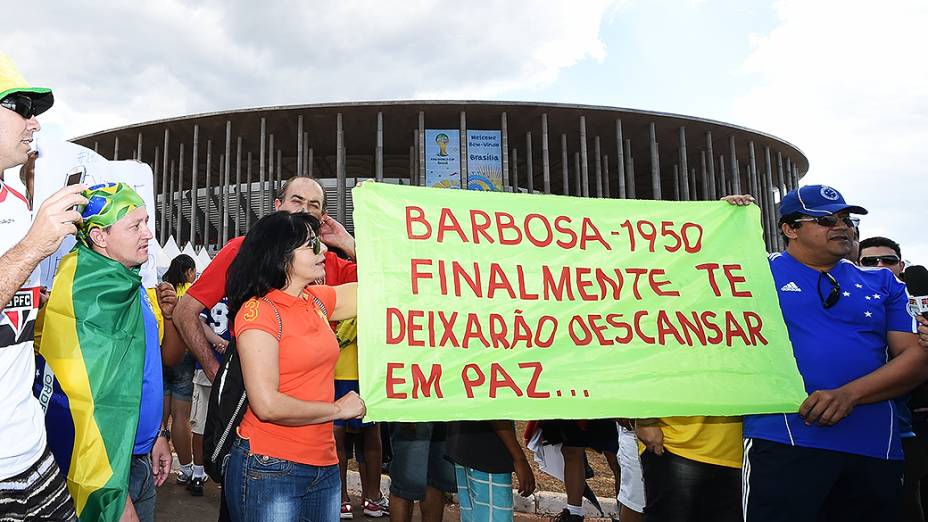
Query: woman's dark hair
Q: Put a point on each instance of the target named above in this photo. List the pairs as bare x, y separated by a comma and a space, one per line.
264, 260
179, 266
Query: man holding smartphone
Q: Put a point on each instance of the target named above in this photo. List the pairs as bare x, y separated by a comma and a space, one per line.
31, 487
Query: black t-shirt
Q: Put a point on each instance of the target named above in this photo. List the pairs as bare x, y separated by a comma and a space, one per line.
474, 444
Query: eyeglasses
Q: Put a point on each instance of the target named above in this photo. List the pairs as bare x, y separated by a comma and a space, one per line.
20, 104
831, 220
833, 295
889, 260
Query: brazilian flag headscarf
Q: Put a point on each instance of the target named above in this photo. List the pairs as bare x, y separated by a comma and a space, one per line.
91, 362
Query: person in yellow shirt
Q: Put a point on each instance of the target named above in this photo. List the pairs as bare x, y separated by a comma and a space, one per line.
691, 468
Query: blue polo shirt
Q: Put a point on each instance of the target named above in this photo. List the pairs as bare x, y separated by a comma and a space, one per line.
152, 388
835, 346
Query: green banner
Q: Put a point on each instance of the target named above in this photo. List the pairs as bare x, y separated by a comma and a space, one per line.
477, 305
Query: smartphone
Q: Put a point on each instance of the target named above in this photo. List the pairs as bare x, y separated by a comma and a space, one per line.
75, 176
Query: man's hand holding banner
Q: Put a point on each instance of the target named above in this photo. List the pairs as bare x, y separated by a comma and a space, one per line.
507, 306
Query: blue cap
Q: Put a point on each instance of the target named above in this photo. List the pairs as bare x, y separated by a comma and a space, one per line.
816, 200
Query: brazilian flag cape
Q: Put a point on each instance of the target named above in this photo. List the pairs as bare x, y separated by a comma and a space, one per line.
90, 364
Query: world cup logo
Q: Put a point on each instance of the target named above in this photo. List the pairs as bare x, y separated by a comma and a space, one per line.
442, 141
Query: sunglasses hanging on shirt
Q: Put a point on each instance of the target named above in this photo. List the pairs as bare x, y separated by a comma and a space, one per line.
833, 295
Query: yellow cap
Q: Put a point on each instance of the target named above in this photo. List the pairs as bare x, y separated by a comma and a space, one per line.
11, 81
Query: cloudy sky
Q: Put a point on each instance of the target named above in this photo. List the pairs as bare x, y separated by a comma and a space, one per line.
844, 80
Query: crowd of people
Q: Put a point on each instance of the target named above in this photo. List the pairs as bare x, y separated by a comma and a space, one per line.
101, 377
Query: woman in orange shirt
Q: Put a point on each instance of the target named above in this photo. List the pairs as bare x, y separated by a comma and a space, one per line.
283, 465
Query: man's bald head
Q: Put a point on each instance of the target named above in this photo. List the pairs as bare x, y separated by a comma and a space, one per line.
301, 194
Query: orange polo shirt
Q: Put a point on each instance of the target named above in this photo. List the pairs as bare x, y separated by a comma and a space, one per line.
308, 352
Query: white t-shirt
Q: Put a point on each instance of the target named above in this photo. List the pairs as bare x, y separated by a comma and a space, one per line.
22, 425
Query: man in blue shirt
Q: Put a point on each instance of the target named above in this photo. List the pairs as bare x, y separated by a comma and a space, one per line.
839, 457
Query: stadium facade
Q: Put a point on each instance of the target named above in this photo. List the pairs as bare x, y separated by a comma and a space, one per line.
216, 173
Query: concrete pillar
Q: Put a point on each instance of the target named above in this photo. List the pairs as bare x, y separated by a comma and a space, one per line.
710, 159
209, 193
504, 132
620, 159
271, 173
735, 170
164, 187
529, 171
684, 167
116, 149
299, 145
584, 163
465, 173
262, 173
781, 183
250, 196
180, 194
565, 186
156, 178
340, 169
545, 160
723, 178
578, 183
629, 171
226, 167
194, 169
599, 166
237, 207
606, 191
378, 151
515, 169
655, 163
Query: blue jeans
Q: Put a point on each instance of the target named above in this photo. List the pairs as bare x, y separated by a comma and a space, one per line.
259, 488
142, 487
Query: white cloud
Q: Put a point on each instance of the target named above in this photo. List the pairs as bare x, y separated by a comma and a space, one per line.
846, 82
114, 63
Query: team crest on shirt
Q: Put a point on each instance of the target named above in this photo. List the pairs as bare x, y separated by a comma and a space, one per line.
19, 316
829, 193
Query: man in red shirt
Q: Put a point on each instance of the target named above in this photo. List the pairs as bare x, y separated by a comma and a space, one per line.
297, 194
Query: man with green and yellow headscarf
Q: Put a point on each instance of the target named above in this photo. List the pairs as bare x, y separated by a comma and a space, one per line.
100, 343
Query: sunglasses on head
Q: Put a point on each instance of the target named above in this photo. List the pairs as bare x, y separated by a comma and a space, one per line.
20, 104
833, 295
889, 260
831, 220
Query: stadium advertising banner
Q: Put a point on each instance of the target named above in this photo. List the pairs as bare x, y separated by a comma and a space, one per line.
510, 306
443, 158
485, 160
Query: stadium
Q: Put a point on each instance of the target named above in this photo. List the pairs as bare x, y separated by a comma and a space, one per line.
216, 173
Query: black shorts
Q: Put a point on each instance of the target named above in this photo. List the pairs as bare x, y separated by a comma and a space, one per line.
599, 434
795, 484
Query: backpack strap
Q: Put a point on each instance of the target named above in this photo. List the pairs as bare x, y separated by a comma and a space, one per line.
280, 324
321, 306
